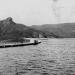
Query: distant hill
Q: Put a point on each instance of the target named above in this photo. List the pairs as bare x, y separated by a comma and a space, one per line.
64, 30
11, 30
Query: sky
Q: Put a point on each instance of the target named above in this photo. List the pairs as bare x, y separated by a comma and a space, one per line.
37, 12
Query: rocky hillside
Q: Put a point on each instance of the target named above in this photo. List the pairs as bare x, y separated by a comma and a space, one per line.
11, 30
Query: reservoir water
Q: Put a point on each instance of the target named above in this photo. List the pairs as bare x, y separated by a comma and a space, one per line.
51, 57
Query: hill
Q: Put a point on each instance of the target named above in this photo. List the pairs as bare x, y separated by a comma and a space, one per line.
64, 30
11, 30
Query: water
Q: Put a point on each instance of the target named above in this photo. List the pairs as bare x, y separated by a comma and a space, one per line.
51, 57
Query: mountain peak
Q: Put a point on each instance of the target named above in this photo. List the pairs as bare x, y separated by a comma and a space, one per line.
8, 20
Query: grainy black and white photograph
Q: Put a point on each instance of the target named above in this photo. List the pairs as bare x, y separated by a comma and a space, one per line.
37, 37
